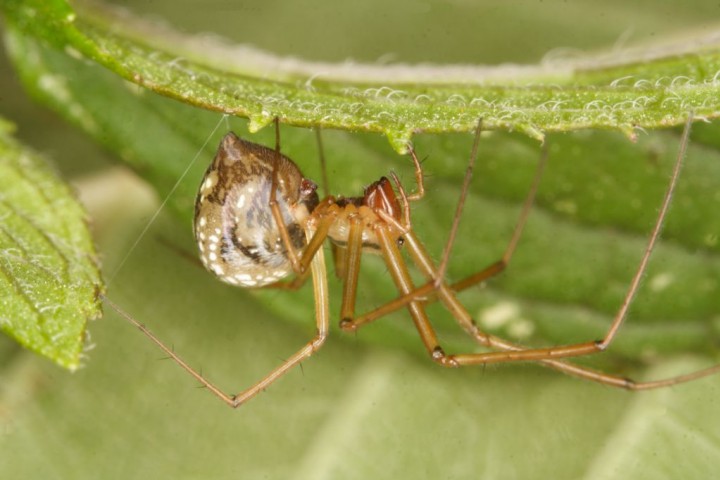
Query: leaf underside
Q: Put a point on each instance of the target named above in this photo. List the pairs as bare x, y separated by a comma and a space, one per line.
49, 276
621, 92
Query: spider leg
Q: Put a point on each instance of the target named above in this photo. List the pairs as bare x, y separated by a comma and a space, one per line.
321, 318
337, 253
627, 383
548, 356
300, 262
419, 177
413, 299
584, 348
351, 324
500, 265
406, 198
323, 166
426, 291
313, 246
461, 204
298, 266
339, 256
509, 351
401, 276
351, 267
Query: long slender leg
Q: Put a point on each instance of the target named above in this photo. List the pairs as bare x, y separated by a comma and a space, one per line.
547, 355
458, 212
502, 264
298, 266
584, 348
439, 273
300, 262
403, 282
276, 121
511, 349
351, 268
426, 291
339, 257
322, 315
323, 166
337, 253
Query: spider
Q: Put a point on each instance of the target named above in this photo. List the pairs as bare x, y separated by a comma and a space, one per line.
258, 219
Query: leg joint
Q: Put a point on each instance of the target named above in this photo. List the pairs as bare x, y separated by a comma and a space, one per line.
348, 325
318, 341
438, 355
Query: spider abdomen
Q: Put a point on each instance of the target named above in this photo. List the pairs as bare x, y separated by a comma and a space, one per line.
238, 238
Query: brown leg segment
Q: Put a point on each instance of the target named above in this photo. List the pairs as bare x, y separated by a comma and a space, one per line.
548, 355
502, 264
511, 352
401, 277
461, 204
315, 244
419, 178
323, 165
426, 292
351, 268
321, 319
299, 263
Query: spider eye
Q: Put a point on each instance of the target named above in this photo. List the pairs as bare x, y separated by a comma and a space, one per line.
400, 241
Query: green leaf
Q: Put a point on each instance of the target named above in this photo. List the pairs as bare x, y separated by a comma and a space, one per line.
644, 89
49, 277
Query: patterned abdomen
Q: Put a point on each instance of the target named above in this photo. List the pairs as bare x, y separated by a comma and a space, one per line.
236, 232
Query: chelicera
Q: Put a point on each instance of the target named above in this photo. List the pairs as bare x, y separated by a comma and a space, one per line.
258, 220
